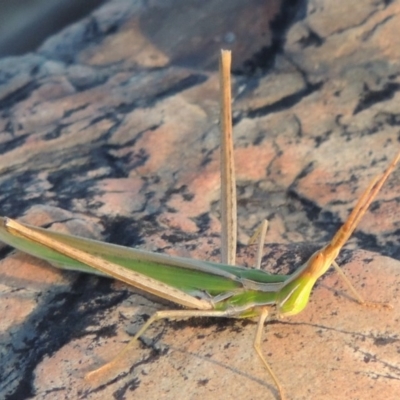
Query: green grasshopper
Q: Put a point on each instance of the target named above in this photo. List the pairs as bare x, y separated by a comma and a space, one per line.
204, 289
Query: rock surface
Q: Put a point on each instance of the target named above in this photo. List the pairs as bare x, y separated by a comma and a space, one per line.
110, 131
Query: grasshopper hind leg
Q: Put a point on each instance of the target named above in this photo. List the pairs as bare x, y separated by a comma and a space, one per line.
101, 372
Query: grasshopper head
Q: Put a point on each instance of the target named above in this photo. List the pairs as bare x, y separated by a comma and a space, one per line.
294, 296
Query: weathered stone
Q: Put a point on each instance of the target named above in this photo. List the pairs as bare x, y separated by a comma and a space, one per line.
111, 129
